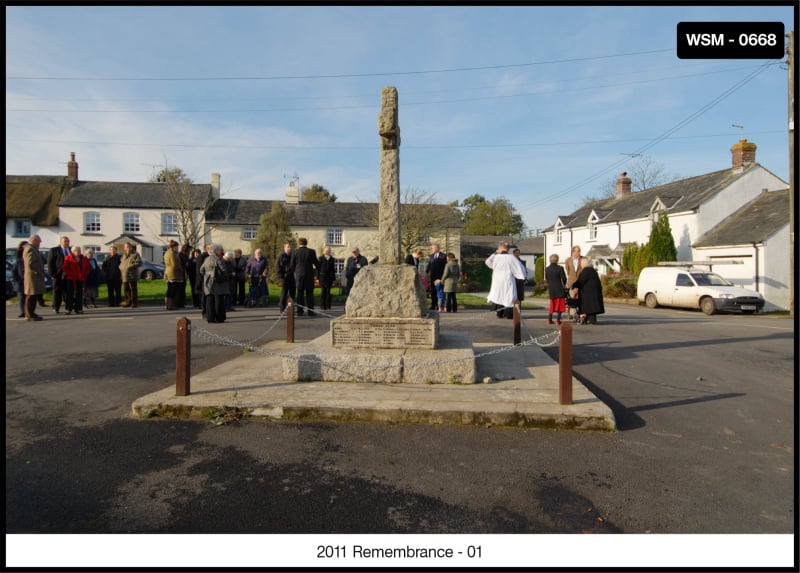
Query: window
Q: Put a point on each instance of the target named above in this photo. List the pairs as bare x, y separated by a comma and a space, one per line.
249, 233
334, 237
130, 223
91, 222
22, 228
558, 236
592, 231
338, 265
683, 280
169, 224
95, 248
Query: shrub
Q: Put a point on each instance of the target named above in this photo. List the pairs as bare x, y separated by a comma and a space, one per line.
620, 286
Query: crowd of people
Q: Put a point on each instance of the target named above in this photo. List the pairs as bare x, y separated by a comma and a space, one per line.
218, 280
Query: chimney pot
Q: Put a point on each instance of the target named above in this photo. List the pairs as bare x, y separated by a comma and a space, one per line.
624, 184
743, 153
72, 168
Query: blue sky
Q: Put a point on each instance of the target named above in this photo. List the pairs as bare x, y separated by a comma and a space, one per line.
541, 105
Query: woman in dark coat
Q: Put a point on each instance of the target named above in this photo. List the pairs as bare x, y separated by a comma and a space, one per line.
591, 292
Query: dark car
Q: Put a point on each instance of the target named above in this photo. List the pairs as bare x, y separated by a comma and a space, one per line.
9, 283
147, 271
48, 282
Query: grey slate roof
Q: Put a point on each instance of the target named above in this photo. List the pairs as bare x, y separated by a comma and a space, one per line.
753, 223
683, 195
109, 194
238, 211
248, 212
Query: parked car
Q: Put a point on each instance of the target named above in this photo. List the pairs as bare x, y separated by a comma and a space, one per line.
148, 271
9, 282
48, 282
689, 287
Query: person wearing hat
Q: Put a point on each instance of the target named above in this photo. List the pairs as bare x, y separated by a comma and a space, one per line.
355, 263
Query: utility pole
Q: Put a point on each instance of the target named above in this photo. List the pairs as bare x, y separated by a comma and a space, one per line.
792, 184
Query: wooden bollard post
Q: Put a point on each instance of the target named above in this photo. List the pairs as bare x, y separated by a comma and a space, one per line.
183, 356
565, 365
290, 321
517, 324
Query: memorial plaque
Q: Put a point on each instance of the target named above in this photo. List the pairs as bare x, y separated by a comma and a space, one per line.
384, 333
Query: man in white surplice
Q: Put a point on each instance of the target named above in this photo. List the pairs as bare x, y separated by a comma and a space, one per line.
505, 269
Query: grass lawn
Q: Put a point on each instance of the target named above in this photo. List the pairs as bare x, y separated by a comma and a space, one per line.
154, 291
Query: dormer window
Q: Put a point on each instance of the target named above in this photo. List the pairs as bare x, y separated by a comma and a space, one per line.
592, 230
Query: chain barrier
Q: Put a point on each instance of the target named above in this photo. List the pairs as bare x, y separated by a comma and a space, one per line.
547, 339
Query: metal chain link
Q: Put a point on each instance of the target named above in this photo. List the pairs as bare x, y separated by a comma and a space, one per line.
549, 339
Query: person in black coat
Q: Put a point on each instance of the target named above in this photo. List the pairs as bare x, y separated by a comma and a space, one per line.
436, 264
302, 265
591, 292
556, 280
327, 276
354, 263
55, 262
285, 278
113, 275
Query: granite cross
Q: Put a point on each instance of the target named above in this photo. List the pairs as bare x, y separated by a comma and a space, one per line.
389, 205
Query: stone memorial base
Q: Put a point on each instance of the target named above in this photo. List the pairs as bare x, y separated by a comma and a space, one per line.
452, 362
388, 333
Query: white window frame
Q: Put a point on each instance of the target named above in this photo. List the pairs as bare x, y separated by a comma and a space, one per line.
334, 237
173, 230
92, 222
131, 222
249, 233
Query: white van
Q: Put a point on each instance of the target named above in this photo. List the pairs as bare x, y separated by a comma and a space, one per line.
690, 287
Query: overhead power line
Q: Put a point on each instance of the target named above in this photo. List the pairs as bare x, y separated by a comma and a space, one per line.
653, 142
332, 76
406, 146
367, 105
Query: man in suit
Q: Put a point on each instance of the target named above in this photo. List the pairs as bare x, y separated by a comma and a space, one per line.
303, 264
55, 264
573, 265
436, 264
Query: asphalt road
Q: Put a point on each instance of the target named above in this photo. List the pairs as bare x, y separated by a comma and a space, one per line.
704, 405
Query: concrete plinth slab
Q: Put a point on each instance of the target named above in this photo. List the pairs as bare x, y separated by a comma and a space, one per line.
451, 363
523, 393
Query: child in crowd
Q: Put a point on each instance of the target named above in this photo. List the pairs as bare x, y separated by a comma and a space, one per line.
439, 293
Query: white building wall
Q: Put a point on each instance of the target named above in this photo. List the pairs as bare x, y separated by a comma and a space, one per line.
111, 225
739, 193
50, 236
773, 270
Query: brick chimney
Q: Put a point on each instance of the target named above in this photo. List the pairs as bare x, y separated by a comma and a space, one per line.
72, 168
743, 154
624, 184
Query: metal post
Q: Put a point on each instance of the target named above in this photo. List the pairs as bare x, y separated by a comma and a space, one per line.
517, 330
565, 365
183, 357
290, 320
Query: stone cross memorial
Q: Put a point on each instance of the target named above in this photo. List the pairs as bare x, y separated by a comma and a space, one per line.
386, 334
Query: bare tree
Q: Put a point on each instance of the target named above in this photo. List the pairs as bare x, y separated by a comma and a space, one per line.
189, 203
421, 218
645, 172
